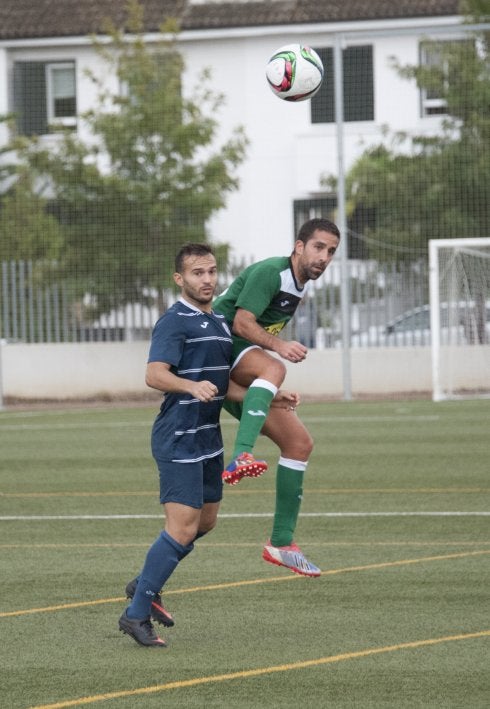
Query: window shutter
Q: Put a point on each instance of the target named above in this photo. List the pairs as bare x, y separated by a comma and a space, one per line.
358, 86
322, 104
30, 98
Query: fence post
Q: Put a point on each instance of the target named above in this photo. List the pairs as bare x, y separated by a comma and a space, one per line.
342, 220
1, 375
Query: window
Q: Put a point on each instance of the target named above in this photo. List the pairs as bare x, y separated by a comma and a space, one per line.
60, 93
444, 63
326, 207
305, 209
358, 87
432, 102
44, 96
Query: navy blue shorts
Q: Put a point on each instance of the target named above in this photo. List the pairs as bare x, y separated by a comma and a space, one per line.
191, 484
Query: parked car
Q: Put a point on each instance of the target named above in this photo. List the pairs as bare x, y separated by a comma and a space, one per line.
459, 326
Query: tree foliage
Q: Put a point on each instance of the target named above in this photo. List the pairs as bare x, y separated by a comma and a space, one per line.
27, 231
421, 188
147, 180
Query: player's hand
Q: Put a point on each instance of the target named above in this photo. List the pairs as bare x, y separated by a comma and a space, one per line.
285, 400
292, 351
204, 391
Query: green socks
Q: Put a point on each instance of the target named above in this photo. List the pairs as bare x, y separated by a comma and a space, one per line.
290, 473
255, 408
289, 493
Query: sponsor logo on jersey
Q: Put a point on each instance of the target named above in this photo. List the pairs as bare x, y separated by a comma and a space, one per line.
275, 329
204, 324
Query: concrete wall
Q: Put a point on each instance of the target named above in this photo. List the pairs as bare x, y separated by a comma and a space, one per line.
115, 370
66, 371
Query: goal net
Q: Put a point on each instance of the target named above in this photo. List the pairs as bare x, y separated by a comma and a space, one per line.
460, 317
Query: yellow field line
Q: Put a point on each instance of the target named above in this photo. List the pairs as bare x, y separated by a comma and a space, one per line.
246, 674
260, 491
251, 582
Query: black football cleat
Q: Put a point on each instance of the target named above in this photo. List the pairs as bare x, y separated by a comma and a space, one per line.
140, 630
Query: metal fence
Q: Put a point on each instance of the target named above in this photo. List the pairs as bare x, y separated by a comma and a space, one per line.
50, 310
110, 207
47, 310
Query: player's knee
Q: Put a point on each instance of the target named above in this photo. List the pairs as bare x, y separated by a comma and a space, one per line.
309, 445
206, 526
298, 447
305, 446
274, 372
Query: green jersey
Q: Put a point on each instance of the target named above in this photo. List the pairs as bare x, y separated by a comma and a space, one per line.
268, 289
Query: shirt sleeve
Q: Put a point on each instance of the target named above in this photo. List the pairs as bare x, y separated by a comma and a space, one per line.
258, 290
167, 342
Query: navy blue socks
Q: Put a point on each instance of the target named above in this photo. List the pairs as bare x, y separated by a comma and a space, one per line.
161, 560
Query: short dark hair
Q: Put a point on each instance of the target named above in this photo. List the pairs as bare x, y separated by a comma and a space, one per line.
190, 250
309, 227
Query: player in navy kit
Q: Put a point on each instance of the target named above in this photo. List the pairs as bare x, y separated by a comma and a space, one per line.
189, 361
258, 305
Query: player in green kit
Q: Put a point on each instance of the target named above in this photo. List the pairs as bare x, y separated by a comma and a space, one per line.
257, 306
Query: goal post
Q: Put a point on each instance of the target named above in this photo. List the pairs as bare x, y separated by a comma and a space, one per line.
459, 292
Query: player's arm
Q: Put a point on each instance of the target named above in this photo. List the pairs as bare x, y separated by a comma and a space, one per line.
158, 376
245, 325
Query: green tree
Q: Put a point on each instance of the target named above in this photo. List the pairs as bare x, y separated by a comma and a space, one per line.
422, 188
148, 180
27, 231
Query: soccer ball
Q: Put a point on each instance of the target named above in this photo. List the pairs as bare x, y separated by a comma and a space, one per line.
294, 72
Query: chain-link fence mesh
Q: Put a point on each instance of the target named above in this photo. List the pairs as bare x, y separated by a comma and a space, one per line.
103, 179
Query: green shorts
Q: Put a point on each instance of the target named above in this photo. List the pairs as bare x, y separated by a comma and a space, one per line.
239, 346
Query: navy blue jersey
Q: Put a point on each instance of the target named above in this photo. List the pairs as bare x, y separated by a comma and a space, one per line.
197, 345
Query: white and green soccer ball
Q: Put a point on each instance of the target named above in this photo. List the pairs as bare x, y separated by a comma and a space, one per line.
294, 72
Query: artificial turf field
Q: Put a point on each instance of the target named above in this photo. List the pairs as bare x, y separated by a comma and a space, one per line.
395, 512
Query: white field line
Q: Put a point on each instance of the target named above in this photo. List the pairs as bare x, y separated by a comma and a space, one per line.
248, 515
226, 421
73, 426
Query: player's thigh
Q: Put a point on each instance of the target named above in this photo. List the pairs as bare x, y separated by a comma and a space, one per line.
181, 483
288, 432
209, 516
179, 518
257, 363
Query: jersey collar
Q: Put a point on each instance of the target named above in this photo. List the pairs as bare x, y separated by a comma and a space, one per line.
190, 306
297, 286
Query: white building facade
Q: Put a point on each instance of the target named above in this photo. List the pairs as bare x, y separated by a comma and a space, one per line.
292, 146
